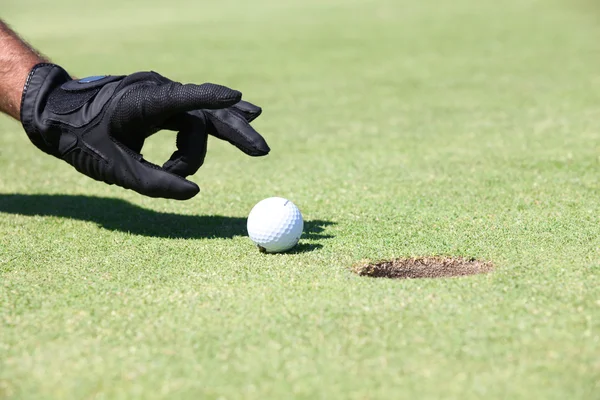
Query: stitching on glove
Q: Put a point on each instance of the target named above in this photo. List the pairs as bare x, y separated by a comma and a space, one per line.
28, 81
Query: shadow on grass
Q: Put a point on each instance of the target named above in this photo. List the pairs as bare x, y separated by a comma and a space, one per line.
119, 215
305, 247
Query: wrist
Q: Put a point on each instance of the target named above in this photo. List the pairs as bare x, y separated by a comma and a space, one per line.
16, 60
39, 84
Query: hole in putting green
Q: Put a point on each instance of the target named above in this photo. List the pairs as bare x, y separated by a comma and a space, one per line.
423, 267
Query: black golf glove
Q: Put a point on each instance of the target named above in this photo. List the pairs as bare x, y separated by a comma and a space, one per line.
99, 124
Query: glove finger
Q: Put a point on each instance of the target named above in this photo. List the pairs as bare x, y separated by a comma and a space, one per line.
131, 171
161, 102
247, 110
154, 181
233, 128
191, 147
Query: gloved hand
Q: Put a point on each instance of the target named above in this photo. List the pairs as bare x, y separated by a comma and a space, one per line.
99, 124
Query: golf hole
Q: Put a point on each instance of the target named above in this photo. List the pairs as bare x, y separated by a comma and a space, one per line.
423, 267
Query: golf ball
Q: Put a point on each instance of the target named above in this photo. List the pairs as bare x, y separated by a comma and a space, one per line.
275, 225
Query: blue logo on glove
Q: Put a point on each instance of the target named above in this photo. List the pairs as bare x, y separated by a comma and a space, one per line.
92, 79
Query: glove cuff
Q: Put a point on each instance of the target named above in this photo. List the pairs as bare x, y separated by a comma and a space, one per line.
40, 82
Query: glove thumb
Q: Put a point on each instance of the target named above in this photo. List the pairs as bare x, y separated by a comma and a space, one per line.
131, 171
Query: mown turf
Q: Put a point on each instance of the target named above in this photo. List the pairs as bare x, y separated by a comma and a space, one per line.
401, 128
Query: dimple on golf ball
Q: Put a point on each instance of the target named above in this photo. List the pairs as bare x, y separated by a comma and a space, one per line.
275, 225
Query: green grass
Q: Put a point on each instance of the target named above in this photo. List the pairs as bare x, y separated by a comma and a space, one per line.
400, 128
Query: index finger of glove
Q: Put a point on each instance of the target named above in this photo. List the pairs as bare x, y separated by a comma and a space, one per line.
172, 98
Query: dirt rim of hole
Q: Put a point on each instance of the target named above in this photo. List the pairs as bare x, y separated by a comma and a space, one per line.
423, 267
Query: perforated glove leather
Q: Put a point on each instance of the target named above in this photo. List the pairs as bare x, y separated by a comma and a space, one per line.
99, 125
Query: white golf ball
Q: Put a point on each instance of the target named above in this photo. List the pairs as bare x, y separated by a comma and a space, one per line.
275, 225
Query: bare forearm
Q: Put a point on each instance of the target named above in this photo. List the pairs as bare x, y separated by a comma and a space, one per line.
16, 60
